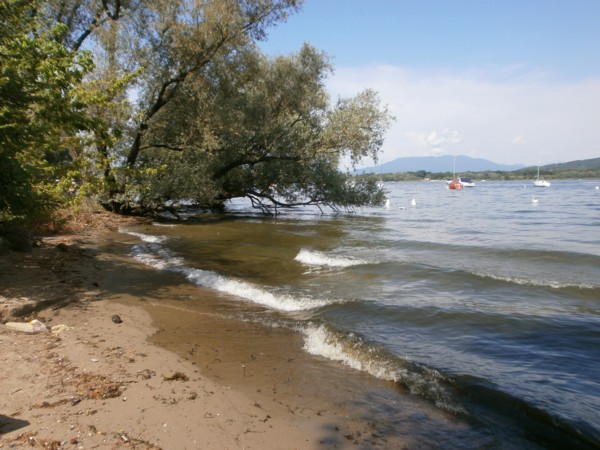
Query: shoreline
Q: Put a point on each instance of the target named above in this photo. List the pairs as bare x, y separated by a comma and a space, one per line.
150, 382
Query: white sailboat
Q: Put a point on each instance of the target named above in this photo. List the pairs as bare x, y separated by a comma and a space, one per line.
467, 182
539, 182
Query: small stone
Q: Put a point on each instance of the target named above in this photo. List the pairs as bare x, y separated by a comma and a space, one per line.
116, 319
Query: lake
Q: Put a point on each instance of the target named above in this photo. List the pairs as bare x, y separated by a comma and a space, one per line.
483, 303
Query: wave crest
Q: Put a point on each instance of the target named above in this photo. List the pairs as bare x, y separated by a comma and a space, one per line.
536, 283
145, 237
314, 258
352, 351
152, 254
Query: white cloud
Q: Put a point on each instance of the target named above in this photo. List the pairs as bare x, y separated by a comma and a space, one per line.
436, 142
493, 109
519, 140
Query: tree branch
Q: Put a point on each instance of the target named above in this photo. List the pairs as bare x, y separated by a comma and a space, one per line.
96, 21
165, 95
247, 161
257, 202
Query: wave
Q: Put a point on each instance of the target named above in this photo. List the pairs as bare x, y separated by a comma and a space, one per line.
439, 270
464, 395
353, 351
568, 270
159, 257
545, 428
536, 283
314, 258
242, 289
145, 237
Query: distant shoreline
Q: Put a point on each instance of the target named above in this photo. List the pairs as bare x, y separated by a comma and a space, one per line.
448, 164
488, 176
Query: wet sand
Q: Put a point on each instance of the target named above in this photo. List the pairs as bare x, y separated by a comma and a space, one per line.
184, 369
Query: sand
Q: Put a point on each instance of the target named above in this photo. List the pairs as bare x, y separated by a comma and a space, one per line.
102, 381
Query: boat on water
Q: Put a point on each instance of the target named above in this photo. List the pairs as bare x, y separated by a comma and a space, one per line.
541, 183
454, 184
538, 182
467, 182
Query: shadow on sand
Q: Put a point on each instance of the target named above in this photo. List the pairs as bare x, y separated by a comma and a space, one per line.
10, 424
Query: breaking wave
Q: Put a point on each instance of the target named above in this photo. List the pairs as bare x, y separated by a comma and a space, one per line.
151, 253
351, 350
146, 237
314, 258
536, 283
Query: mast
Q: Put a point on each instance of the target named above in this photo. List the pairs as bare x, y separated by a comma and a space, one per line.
454, 167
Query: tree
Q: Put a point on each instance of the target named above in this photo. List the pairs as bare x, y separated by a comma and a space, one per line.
208, 125
250, 126
41, 111
156, 45
180, 105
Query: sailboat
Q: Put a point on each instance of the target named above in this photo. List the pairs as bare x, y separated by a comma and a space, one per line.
467, 182
539, 182
455, 183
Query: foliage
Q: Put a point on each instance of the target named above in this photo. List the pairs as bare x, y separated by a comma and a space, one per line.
151, 103
40, 114
250, 126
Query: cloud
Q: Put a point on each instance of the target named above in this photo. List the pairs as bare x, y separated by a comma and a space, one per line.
434, 141
519, 140
494, 108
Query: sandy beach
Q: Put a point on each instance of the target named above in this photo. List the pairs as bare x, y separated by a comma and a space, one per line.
110, 373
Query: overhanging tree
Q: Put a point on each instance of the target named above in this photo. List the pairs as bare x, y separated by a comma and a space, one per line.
181, 105
250, 126
214, 119
157, 45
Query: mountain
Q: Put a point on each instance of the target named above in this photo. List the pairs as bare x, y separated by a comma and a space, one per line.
436, 164
582, 164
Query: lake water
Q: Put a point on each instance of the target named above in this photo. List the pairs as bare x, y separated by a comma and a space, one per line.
483, 302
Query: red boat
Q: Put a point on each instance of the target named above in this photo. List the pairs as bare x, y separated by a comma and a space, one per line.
455, 184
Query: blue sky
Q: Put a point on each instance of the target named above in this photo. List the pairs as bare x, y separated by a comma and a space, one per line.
506, 80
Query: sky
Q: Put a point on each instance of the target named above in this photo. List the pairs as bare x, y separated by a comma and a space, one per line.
512, 81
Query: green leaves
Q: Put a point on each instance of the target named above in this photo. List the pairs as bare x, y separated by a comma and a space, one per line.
268, 133
357, 126
39, 114
171, 102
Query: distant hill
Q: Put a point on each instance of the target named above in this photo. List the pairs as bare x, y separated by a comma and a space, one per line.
582, 164
437, 164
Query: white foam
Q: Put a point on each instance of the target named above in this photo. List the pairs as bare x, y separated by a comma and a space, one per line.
537, 283
250, 292
422, 381
161, 258
157, 257
314, 258
145, 237
318, 341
